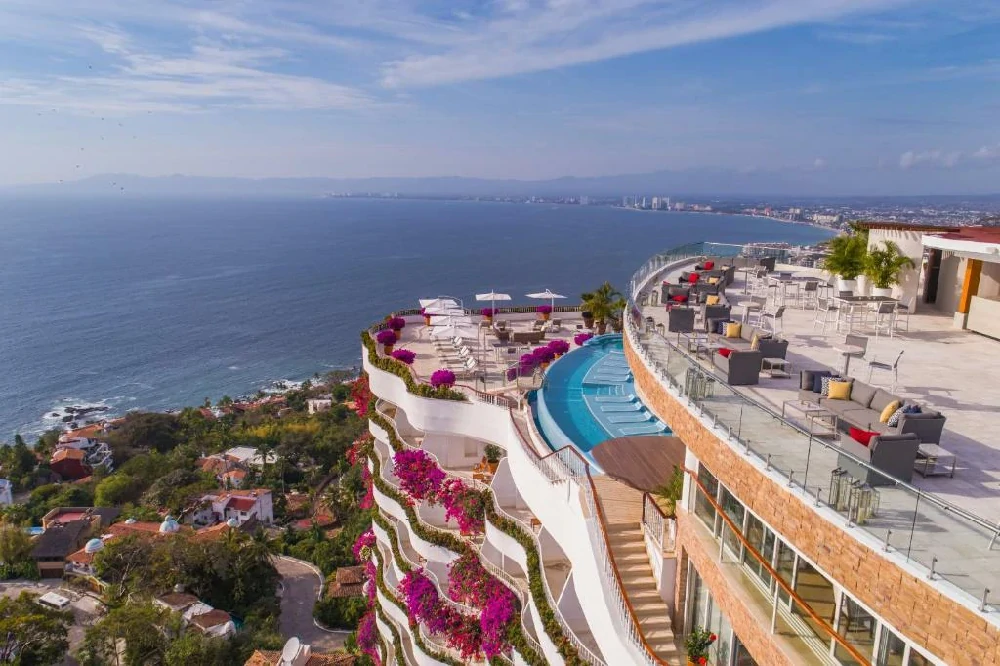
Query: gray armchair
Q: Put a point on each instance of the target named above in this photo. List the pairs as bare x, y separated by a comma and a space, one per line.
892, 454
716, 312
680, 320
772, 347
740, 368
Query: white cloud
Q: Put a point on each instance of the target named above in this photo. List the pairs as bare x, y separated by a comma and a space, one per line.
933, 158
987, 153
819, 164
535, 37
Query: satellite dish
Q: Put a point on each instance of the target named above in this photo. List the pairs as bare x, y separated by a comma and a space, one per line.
291, 650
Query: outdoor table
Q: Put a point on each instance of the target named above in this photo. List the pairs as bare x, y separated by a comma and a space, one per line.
932, 460
849, 304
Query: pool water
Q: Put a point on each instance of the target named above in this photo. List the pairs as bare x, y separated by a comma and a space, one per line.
589, 396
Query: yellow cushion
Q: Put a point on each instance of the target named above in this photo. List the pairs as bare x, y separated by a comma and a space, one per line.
840, 391
732, 330
755, 342
889, 410
712, 300
713, 280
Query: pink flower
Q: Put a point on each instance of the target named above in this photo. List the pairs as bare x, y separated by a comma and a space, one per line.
442, 378
418, 474
364, 540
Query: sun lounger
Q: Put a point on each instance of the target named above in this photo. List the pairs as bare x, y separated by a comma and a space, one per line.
644, 429
629, 418
615, 398
626, 407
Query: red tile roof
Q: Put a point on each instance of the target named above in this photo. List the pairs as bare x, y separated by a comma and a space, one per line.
242, 503
974, 234
212, 618
67, 454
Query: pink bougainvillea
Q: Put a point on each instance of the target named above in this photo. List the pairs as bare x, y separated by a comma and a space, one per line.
370, 585
418, 474
442, 378
386, 337
494, 621
422, 601
559, 346
368, 500
581, 338
464, 505
367, 636
404, 355
471, 584
363, 545
361, 395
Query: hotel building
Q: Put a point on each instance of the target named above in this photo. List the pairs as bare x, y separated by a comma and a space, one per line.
785, 543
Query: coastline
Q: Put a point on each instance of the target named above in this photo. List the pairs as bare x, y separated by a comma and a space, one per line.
801, 223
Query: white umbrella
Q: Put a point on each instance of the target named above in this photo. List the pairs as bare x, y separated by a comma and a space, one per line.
455, 329
439, 303
492, 297
548, 295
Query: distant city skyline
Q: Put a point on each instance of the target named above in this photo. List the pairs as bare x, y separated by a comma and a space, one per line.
830, 96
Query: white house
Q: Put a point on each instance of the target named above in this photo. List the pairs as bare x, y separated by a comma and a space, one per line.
317, 405
248, 455
238, 505
6, 497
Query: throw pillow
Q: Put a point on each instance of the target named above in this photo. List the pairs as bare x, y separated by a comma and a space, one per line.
817, 386
825, 384
713, 280
755, 342
709, 265
720, 326
860, 436
712, 300
840, 390
889, 410
679, 298
912, 409
725, 351
733, 330
692, 278
893, 420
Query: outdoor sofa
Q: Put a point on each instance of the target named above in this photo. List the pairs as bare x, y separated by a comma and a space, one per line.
892, 454
864, 409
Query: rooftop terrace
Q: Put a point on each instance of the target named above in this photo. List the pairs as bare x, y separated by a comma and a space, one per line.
948, 370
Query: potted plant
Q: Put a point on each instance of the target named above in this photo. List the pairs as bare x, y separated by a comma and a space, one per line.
443, 379
427, 317
846, 259
543, 355
605, 305
386, 338
883, 266
697, 645
492, 454
404, 355
588, 318
669, 492
397, 324
488, 314
581, 338
544, 311
559, 347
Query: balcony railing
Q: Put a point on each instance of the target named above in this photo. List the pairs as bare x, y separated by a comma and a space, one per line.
661, 529
914, 520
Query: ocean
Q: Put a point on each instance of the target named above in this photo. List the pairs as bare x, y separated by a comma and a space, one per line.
159, 303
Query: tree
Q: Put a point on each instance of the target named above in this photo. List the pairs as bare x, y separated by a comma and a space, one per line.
605, 304
884, 265
124, 563
146, 430
128, 636
15, 544
116, 490
195, 649
31, 634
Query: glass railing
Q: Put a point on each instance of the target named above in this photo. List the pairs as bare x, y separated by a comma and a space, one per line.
947, 541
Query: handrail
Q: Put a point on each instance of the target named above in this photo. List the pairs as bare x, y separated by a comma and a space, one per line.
772, 571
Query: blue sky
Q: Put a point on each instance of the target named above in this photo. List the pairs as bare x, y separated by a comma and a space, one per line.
852, 93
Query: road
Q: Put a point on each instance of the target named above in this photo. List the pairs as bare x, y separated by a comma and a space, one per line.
301, 588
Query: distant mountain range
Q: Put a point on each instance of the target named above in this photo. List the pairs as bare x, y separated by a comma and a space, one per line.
676, 184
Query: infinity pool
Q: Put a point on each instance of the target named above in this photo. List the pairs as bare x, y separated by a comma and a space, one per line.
589, 396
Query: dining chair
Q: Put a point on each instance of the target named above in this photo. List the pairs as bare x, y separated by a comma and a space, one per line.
902, 316
809, 294
885, 318
827, 313
772, 321
893, 367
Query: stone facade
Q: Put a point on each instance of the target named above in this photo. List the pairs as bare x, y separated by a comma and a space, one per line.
951, 631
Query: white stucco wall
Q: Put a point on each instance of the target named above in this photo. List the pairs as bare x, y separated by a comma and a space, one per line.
911, 244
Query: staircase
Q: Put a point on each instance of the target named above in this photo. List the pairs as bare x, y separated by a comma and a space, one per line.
622, 507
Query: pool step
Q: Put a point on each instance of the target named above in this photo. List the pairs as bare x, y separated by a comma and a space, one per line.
639, 417
615, 398
644, 429
621, 407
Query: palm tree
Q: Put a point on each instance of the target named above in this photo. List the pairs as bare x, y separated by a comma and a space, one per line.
883, 266
847, 256
605, 304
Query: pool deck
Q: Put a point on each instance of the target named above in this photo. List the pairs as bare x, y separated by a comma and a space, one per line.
946, 369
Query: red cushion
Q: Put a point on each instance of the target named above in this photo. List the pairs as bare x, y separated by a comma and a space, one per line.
692, 278
679, 298
725, 351
709, 265
861, 436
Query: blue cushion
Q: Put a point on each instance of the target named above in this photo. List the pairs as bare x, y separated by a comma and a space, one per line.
911, 409
818, 380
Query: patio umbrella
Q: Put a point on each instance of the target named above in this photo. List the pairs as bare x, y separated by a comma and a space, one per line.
547, 295
455, 329
440, 303
492, 297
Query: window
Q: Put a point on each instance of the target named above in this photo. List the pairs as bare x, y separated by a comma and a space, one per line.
762, 540
734, 509
891, 648
702, 507
857, 626
741, 657
917, 659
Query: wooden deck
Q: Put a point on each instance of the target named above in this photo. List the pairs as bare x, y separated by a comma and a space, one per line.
641, 462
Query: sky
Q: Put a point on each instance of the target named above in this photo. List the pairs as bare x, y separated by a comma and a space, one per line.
856, 95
